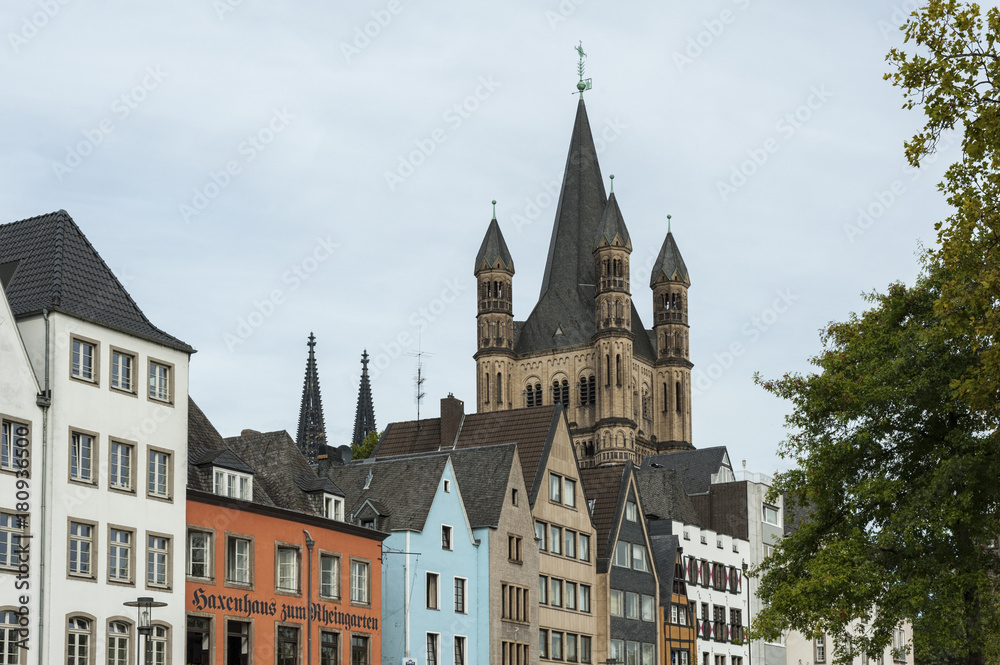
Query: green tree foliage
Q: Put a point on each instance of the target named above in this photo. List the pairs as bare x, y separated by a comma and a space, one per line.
953, 76
897, 479
365, 448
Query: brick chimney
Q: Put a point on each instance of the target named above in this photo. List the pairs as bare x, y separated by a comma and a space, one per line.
452, 414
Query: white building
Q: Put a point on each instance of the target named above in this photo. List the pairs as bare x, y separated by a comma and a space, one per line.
107, 449
822, 651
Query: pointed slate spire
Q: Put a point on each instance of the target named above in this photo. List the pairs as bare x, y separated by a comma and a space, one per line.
311, 438
669, 263
364, 419
612, 228
582, 200
494, 249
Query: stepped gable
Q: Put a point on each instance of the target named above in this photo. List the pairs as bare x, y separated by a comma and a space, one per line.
47, 263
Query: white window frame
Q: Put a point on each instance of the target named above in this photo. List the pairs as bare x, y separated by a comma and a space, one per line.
79, 638
83, 544
122, 374
119, 643
121, 465
84, 365
361, 582
232, 484
206, 551
447, 543
329, 580
10, 538
157, 558
234, 558
10, 433
432, 595
161, 377
767, 509
333, 507
631, 511
158, 473
555, 487
569, 492
288, 568
119, 551
82, 452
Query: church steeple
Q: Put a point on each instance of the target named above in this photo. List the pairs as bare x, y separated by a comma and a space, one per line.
311, 437
364, 418
494, 272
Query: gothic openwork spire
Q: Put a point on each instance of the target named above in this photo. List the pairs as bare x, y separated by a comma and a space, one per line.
364, 419
311, 437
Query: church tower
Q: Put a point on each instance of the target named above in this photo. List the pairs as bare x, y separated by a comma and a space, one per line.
494, 356
670, 281
311, 438
364, 417
614, 432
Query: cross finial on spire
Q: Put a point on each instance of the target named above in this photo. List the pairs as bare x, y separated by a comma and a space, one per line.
364, 361
312, 340
584, 84
494, 208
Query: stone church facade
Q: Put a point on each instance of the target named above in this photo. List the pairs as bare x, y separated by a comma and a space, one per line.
626, 389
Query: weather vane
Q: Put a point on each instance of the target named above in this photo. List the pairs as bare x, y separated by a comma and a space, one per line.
584, 84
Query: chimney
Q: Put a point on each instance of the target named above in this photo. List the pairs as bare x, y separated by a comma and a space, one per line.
452, 414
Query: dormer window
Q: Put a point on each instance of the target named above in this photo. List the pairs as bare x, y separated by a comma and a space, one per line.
233, 484
333, 507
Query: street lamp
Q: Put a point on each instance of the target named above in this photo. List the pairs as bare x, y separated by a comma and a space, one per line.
144, 623
309, 591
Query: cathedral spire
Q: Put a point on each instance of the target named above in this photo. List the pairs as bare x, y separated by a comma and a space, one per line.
364, 419
311, 437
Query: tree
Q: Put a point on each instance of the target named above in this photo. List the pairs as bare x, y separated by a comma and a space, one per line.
954, 77
897, 482
364, 449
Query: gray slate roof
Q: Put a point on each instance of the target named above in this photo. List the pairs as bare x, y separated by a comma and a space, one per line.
693, 467
663, 497
605, 486
47, 263
669, 264
482, 475
494, 253
665, 559
612, 226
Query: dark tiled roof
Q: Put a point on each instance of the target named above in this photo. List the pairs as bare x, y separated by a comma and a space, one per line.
663, 497
612, 226
401, 487
308, 483
604, 486
494, 253
669, 264
693, 467
531, 429
225, 459
482, 475
278, 466
55, 267
665, 559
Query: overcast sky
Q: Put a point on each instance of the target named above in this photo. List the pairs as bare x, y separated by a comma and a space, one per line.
255, 171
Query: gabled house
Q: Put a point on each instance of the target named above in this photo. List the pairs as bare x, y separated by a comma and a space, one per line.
564, 531
628, 622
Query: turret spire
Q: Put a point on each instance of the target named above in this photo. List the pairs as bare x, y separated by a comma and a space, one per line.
364, 419
311, 437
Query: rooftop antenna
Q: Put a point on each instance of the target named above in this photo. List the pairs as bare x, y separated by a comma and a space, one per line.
420, 378
584, 84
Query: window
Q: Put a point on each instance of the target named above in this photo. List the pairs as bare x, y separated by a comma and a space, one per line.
81, 547
13, 438
584, 598
569, 492
649, 653
460, 584
639, 561
630, 511
118, 648
770, 515
333, 507
84, 360
288, 645
81, 457
898, 645
571, 595
543, 589
513, 497
359, 650
514, 549
433, 653
555, 595
329, 648
514, 603
585, 641
447, 485
631, 605
159, 474
238, 641
555, 539
119, 555
646, 607
679, 657
446, 537
719, 576
288, 569
329, 575
359, 582
632, 653
199, 640
820, 653
569, 542
122, 368
78, 641
460, 650
555, 488
557, 643
199, 553
9, 637
120, 466
540, 535
616, 603
433, 597
232, 484
10, 540
571, 642
157, 561
616, 650
768, 550
584, 547
158, 642
159, 381
238, 560
543, 643
621, 555
514, 653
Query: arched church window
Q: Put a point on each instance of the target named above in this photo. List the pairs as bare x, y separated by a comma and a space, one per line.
618, 370
499, 388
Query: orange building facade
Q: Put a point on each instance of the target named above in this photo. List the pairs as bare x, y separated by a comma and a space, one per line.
256, 595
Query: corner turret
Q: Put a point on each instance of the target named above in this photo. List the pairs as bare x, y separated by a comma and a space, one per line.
494, 273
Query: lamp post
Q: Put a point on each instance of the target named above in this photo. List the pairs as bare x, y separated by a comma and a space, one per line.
144, 621
309, 591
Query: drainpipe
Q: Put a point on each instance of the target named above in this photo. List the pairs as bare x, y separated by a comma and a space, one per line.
309, 592
44, 401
